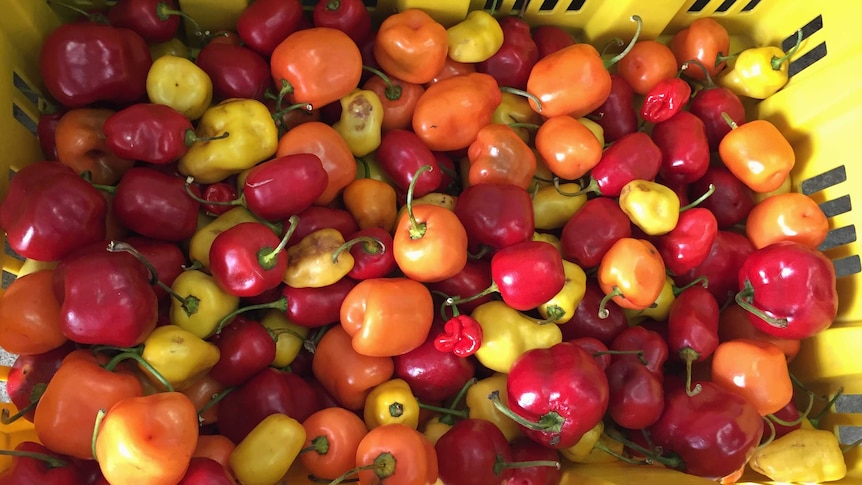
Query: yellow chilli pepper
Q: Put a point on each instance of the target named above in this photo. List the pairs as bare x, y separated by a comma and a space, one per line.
202, 240
391, 402
480, 407
651, 206
311, 262
253, 138
548, 238
759, 72
179, 83
290, 337
435, 428
599, 454
173, 47
476, 38
203, 303
265, 455
596, 128
552, 210
581, 450
368, 167
561, 308
516, 109
659, 311
178, 355
507, 333
543, 176
434, 198
802, 455
360, 122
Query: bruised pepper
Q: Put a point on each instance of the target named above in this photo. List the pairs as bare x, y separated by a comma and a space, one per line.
361, 121
253, 137
314, 263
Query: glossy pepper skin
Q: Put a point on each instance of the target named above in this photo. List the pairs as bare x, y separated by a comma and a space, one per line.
665, 99
83, 63
687, 245
617, 114
26, 470
348, 16
759, 72
500, 156
49, 211
391, 402
154, 204
713, 432
562, 385
513, 61
592, 230
462, 335
246, 259
634, 156
512, 266
705, 40
803, 455
264, 191
148, 18
495, 215
506, 334
411, 45
684, 146
236, 71
804, 303
255, 461
152, 133
476, 38
758, 154
264, 24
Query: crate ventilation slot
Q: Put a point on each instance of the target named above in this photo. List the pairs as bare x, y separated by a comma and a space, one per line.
546, 6
839, 237
700, 5
824, 180
23, 118
725, 6
813, 55
838, 206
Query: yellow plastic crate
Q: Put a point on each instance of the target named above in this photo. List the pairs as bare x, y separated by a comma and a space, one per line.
819, 111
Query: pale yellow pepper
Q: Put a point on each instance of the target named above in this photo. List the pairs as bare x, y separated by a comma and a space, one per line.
480, 407
202, 240
204, 303
391, 402
435, 428
651, 206
360, 122
476, 38
549, 238
561, 308
802, 455
581, 450
552, 210
290, 337
312, 262
266, 454
179, 83
178, 355
507, 333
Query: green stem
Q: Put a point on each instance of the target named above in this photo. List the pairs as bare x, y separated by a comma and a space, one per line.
776, 62
192, 138
639, 353
365, 166
215, 400
268, 260
442, 410
551, 422
280, 304
51, 461
113, 363
100, 416
742, 300
702, 280
635, 18
6, 418
457, 300
96, 18
417, 229
699, 200
189, 304
602, 447
614, 42
603, 311
520, 92
377, 248
800, 419
392, 92
320, 444
668, 461
815, 421
592, 187
354, 471
286, 89
279, 113
118, 246
532, 126
709, 82
110, 189
501, 465
163, 10
772, 433
190, 180
727, 119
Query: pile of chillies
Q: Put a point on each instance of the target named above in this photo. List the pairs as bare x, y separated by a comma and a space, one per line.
320, 249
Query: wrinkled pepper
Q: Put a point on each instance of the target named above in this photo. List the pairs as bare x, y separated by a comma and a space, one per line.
506, 334
313, 263
391, 402
253, 138
361, 121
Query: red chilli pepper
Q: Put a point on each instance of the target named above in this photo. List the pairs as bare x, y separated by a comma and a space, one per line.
665, 99
462, 335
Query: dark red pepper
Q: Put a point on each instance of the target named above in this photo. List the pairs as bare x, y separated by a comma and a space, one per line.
349, 16
665, 99
106, 297
401, 154
264, 24
550, 39
789, 290
44, 468
30, 374
236, 71
152, 133
154, 20
709, 103
556, 394
595, 347
688, 244
318, 217
285, 186
634, 156
267, 392
50, 211
617, 115
155, 204
636, 397
206, 471
371, 259
475, 277
82, 63
692, 327
731, 201
495, 215
167, 259
220, 193
512, 63
45, 132
246, 347
462, 335
592, 230
316, 307
652, 345
684, 147
585, 322
729, 250
248, 259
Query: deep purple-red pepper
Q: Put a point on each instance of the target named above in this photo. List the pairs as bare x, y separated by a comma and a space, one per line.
316, 307
634, 156
50, 211
166, 258
592, 230
512, 63
236, 71
789, 290
154, 20
550, 39
638, 338
665, 99
349, 16
688, 244
726, 255
265, 23
636, 394
617, 115
220, 193
318, 217
495, 215
731, 201
684, 147
692, 327
475, 277
710, 102
401, 154
155, 204
246, 347
285, 186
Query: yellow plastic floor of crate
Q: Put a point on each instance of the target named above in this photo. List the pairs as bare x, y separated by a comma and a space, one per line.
820, 111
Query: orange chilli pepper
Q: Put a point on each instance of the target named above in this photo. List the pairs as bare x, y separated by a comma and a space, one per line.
372, 203
734, 323
704, 40
66, 413
396, 454
646, 64
30, 315
216, 447
147, 440
387, 316
333, 436
322, 140
201, 393
81, 145
757, 153
573, 80
451, 112
452, 68
344, 373
316, 66
568, 147
411, 45
398, 98
787, 217
632, 274
430, 242
756, 370
500, 156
